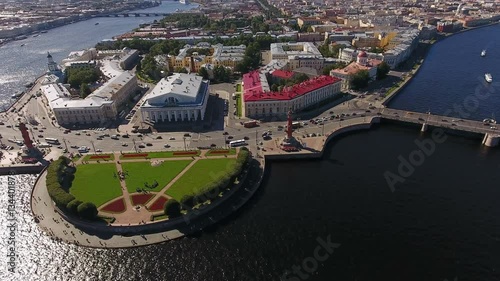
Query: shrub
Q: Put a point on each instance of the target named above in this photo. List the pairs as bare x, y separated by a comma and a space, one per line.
73, 205
188, 202
172, 208
87, 210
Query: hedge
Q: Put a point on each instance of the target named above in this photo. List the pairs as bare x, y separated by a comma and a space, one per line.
58, 180
57, 174
212, 189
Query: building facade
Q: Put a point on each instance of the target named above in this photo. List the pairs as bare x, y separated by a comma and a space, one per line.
260, 102
177, 98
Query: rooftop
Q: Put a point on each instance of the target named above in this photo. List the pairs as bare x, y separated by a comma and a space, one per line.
184, 89
253, 88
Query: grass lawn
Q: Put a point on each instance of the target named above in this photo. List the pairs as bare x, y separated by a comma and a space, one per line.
88, 157
163, 154
142, 172
238, 105
95, 183
204, 171
238, 87
219, 152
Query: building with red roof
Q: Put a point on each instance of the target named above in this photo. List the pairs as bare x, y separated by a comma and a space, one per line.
259, 101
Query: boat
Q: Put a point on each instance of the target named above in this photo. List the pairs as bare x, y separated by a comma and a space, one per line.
36, 35
488, 77
483, 53
43, 31
22, 45
185, 2
96, 23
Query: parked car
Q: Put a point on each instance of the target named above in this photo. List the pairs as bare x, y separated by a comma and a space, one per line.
230, 137
149, 144
187, 135
171, 138
142, 146
166, 145
246, 138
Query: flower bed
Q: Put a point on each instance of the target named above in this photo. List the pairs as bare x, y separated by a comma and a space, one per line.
158, 204
100, 156
141, 199
133, 155
185, 153
219, 151
117, 206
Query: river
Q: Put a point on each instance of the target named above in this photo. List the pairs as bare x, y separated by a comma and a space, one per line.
21, 65
441, 223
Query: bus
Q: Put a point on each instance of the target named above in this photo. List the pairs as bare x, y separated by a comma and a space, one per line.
296, 125
237, 143
250, 124
52, 140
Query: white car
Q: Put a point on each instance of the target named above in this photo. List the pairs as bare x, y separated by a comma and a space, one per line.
98, 150
124, 144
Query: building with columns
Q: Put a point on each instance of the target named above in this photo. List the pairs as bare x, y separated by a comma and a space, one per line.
177, 98
362, 63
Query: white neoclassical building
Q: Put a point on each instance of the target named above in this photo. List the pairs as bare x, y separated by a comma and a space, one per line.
177, 98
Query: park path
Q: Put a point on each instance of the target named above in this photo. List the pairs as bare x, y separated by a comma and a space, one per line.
164, 189
131, 215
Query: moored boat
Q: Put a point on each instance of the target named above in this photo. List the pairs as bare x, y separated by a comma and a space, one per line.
483, 53
488, 77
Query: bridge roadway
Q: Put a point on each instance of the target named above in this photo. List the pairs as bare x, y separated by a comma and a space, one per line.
440, 121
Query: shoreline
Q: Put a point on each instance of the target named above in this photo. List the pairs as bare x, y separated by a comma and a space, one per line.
100, 236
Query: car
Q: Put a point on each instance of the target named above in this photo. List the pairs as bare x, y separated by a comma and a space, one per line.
9, 126
187, 135
88, 134
40, 136
225, 133
453, 124
331, 112
354, 114
166, 145
379, 113
1, 123
213, 145
99, 138
142, 146
341, 119
149, 144
246, 138
125, 136
40, 131
367, 111
493, 128
159, 137
139, 136
227, 141
444, 120
77, 133
171, 138
60, 147
267, 137
421, 119
230, 137
98, 150
124, 144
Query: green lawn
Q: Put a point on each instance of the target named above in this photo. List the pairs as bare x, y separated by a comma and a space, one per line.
161, 154
142, 172
238, 87
95, 183
232, 151
238, 105
87, 157
204, 171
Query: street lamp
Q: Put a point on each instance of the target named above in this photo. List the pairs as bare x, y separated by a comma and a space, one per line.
184, 138
135, 147
93, 147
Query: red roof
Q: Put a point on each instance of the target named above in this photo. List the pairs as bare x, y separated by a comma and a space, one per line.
362, 54
282, 74
253, 88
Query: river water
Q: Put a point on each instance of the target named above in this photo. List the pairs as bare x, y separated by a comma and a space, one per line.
441, 223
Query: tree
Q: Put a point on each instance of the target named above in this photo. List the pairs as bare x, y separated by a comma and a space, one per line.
360, 79
382, 70
73, 206
87, 210
172, 208
84, 90
180, 70
203, 73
